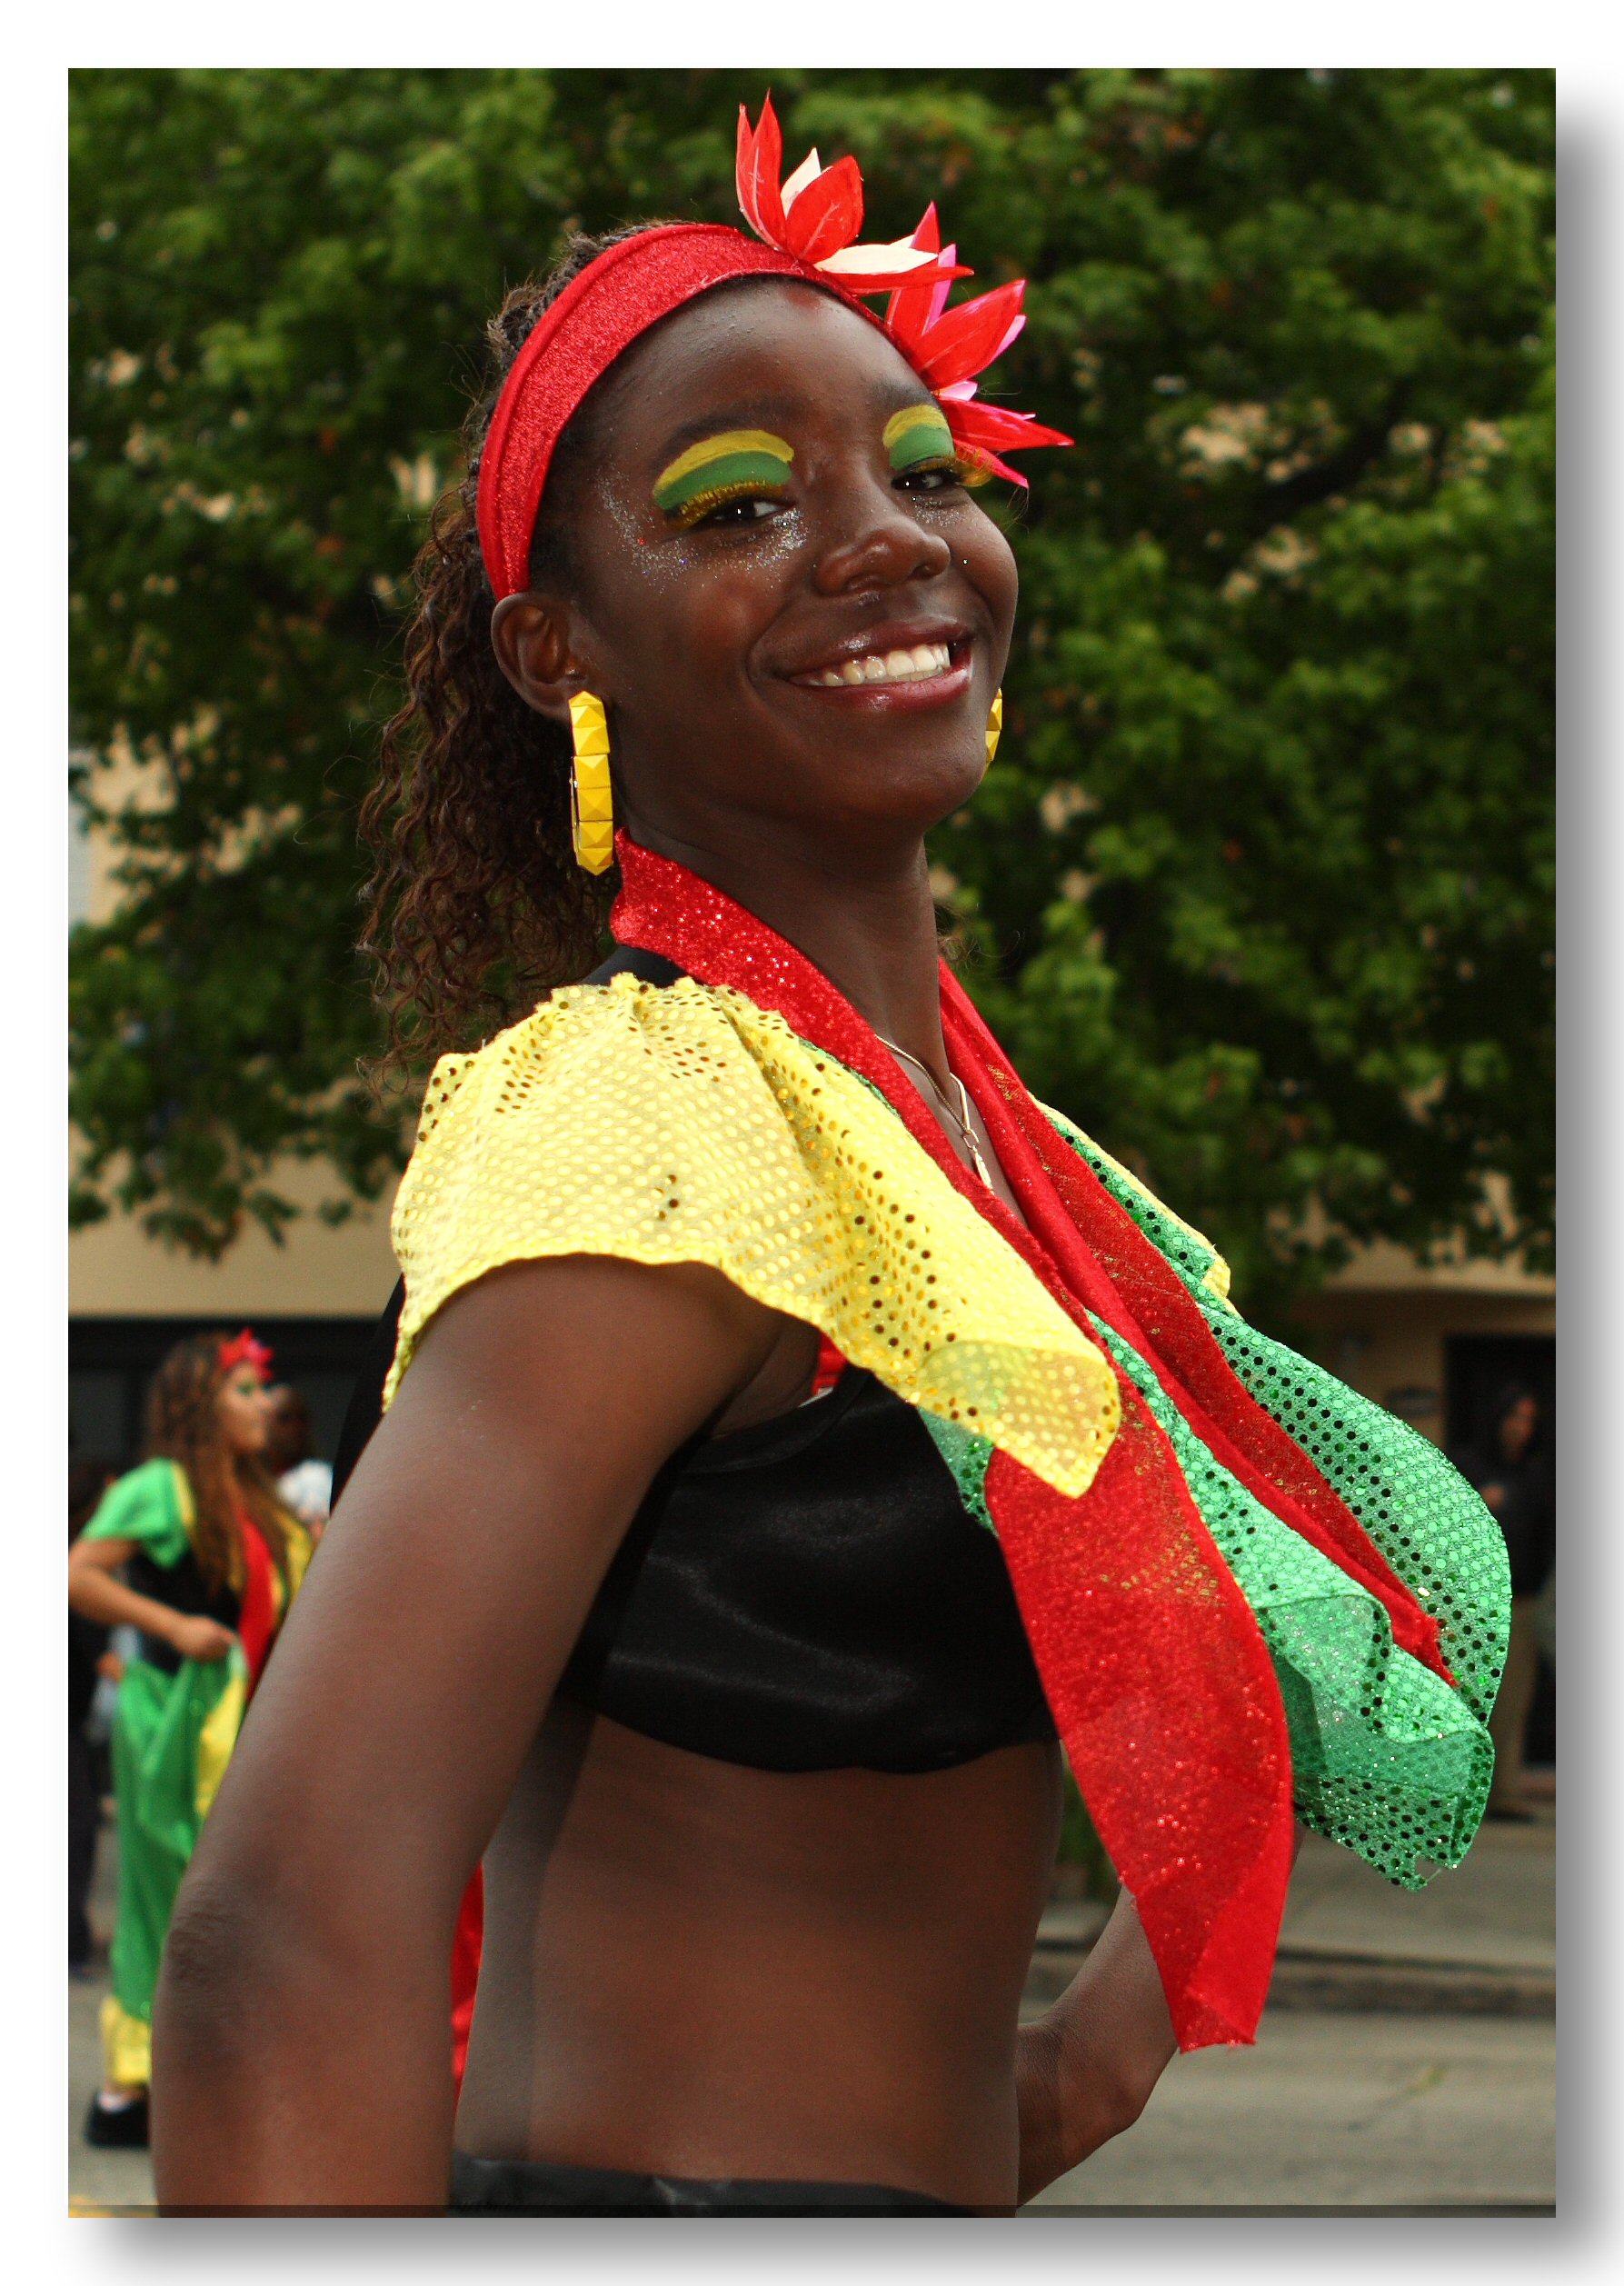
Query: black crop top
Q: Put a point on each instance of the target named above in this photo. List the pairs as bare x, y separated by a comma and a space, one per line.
182, 1586
808, 1594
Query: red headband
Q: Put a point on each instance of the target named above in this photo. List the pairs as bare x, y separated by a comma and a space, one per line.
246, 1351
574, 341
809, 224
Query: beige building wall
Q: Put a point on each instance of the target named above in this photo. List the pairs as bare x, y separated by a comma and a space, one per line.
1382, 1323
116, 1271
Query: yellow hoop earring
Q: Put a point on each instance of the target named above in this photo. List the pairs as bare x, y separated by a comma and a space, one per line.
591, 798
995, 724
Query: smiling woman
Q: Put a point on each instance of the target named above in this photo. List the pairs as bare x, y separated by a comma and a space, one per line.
793, 1433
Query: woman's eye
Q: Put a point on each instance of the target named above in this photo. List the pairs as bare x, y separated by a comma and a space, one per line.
933, 476
730, 512
748, 508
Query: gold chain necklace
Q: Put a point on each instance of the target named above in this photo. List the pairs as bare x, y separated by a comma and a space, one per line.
960, 1118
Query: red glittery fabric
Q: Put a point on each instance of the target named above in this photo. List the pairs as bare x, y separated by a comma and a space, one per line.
598, 316
466, 1947
1156, 1672
257, 1621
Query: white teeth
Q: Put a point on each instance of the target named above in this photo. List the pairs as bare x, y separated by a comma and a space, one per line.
925, 659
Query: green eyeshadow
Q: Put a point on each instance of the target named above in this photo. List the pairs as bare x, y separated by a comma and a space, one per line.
919, 432
733, 462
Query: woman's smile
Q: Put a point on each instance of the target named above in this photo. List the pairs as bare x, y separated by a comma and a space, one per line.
893, 666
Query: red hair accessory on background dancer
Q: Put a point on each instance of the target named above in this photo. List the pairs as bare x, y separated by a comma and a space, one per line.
246, 1351
808, 228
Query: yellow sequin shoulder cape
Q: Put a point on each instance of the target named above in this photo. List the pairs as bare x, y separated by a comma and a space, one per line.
684, 1123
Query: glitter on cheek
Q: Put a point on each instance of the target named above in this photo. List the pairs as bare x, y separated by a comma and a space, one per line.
768, 547
631, 526
776, 542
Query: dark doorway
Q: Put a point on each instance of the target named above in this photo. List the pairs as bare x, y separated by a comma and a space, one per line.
1478, 1367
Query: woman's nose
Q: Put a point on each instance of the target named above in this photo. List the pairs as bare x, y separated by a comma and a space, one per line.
875, 540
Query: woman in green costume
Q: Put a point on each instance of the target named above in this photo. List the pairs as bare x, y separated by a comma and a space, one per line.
193, 1549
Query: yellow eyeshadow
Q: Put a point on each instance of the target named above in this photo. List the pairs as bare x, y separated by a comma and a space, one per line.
756, 445
918, 433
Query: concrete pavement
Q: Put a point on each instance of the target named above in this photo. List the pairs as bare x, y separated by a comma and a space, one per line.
1447, 2114
1407, 2058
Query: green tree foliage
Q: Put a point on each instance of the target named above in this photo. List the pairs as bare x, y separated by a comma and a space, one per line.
1259, 887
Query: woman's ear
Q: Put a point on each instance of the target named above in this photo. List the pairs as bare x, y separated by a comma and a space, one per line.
534, 640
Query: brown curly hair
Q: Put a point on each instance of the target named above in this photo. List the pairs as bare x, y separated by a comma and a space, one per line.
183, 1424
476, 906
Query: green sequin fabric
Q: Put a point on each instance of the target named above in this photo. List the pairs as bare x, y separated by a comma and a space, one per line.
1387, 1758
967, 1456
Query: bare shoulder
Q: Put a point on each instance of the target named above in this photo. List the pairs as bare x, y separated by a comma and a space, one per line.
460, 1565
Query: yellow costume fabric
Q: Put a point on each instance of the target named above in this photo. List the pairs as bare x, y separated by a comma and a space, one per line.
683, 1124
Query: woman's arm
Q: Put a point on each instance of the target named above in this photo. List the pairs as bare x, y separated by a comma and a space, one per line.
95, 1594
1086, 2070
301, 2031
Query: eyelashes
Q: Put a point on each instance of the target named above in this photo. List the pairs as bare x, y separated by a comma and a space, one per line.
734, 465
701, 505
962, 471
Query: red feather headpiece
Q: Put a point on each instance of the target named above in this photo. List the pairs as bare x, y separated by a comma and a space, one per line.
246, 1351
808, 228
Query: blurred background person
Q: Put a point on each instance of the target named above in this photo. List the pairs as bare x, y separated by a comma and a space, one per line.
1512, 1472
87, 1654
303, 1483
195, 1550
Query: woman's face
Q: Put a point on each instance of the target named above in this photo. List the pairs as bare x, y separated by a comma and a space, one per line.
245, 1412
795, 612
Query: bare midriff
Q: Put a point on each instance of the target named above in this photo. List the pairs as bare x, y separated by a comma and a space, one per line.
693, 1968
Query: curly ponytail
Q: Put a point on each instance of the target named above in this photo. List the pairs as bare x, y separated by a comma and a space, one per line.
475, 906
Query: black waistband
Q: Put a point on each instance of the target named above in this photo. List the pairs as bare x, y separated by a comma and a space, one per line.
157, 1652
524, 2186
